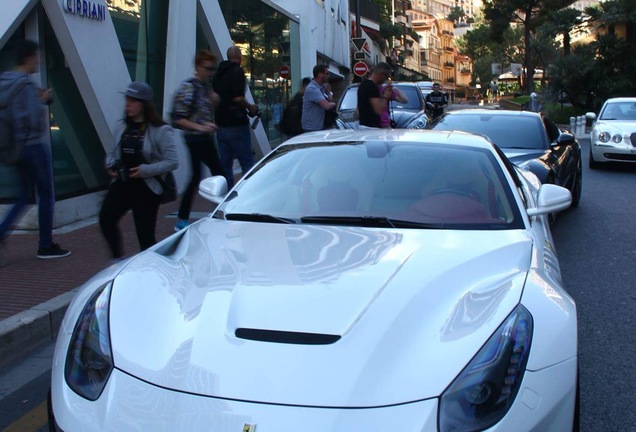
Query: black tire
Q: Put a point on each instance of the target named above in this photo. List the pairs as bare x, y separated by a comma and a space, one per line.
593, 164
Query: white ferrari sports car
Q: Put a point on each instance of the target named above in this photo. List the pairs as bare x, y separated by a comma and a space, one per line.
367, 280
613, 136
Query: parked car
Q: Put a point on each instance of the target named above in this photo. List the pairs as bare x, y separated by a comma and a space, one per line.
528, 139
613, 136
409, 115
426, 87
381, 280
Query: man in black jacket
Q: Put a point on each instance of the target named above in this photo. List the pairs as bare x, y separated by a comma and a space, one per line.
233, 135
436, 101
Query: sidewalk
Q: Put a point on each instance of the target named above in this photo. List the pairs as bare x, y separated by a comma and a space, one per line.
34, 293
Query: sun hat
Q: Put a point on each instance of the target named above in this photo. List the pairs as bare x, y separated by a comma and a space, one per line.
139, 90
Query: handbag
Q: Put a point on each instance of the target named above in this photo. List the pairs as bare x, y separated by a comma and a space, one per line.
169, 186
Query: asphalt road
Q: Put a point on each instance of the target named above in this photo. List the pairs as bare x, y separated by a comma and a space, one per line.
596, 244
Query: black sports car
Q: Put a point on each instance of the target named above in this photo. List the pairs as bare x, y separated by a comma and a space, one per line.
409, 115
530, 140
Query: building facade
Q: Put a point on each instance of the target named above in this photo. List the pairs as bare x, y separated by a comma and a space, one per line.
92, 50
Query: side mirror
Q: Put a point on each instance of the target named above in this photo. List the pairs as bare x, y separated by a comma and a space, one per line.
590, 116
213, 189
551, 199
565, 139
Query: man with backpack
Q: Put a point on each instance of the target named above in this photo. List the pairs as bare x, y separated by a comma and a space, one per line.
23, 129
193, 110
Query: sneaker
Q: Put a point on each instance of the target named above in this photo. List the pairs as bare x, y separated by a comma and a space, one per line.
53, 251
181, 224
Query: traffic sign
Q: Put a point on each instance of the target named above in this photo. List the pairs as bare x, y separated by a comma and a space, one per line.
360, 69
284, 71
359, 42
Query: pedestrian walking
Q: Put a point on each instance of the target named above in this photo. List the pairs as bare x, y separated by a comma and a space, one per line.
143, 153
535, 104
316, 100
233, 135
193, 111
372, 102
27, 114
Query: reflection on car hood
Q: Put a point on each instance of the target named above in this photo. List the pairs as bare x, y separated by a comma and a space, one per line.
521, 156
409, 308
624, 126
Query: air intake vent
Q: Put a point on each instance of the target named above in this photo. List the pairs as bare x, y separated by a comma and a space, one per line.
276, 336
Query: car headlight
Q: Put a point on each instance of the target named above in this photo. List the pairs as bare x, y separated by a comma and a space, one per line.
617, 138
484, 391
417, 123
89, 360
604, 137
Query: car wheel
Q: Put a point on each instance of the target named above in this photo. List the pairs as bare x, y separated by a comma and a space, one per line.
577, 187
593, 163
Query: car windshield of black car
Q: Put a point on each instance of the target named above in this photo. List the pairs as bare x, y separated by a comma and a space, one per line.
507, 131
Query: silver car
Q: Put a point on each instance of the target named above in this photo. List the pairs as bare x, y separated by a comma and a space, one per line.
613, 137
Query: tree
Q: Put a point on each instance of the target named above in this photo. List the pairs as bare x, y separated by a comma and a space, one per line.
456, 14
483, 51
527, 14
563, 22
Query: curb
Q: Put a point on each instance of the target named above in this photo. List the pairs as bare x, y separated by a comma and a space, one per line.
23, 333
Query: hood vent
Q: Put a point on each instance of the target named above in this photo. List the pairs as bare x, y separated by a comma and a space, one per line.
286, 337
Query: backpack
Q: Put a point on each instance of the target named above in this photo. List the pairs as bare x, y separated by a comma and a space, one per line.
190, 110
291, 120
9, 146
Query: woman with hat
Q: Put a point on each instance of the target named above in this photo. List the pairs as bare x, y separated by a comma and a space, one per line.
144, 149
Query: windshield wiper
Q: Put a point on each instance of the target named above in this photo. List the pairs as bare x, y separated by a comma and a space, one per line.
368, 221
258, 217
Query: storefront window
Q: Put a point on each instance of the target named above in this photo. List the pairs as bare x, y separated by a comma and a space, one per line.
78, 155
265, 37
141, 27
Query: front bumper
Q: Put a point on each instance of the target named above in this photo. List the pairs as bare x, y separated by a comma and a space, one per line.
625, 151
545, 403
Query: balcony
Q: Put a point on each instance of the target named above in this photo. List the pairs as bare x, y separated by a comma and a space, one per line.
464, 71
450, 80
449, 49
449, 65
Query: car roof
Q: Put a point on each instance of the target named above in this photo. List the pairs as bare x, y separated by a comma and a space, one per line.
456, 138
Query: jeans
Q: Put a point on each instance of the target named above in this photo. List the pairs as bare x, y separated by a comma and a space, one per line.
35, 167
235, 142
132, 195
202, 149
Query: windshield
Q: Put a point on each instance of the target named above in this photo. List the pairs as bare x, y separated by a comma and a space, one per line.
619, 111
349, 100
377, 184
507, 131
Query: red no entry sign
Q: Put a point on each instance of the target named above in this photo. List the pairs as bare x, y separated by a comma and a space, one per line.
360, 69
284, 71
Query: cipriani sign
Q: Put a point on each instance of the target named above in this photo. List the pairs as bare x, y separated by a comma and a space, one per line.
85, 9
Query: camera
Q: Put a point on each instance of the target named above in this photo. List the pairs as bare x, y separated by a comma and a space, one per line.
120, 169
257, 118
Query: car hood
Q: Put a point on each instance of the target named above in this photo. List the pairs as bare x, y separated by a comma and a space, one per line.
342, 316
625, 127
